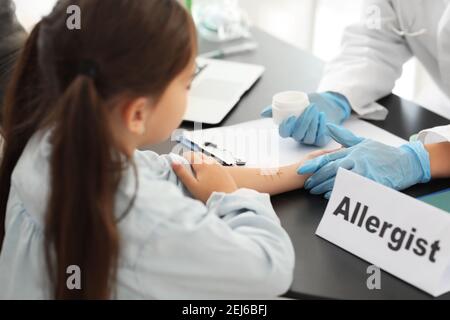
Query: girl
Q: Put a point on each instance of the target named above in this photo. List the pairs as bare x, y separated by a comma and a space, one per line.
78, 199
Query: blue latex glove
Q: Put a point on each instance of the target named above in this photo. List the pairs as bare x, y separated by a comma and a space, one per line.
310, 127
397, 168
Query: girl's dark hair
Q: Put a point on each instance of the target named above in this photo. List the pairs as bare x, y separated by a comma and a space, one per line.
65, 81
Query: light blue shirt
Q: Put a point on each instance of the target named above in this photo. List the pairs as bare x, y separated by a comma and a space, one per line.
172, 246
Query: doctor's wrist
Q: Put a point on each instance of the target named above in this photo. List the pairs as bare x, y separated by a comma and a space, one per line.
417, 154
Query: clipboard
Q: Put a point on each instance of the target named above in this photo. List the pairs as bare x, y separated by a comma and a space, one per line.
257, 143
211, 149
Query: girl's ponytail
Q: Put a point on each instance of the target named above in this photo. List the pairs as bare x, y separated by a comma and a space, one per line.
81, 228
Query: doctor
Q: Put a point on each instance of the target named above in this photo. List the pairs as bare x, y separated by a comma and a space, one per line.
373, 53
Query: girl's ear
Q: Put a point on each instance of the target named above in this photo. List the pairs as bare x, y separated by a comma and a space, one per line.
135, 115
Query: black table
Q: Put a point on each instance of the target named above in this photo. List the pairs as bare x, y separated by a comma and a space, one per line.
322, 270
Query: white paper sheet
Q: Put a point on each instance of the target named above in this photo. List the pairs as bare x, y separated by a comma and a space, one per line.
259, 144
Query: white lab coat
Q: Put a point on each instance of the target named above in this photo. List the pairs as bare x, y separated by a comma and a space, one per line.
435, 135
371, 59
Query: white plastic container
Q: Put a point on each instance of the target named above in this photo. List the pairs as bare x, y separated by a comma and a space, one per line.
287, 104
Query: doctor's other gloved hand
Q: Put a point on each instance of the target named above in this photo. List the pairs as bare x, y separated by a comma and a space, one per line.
397, 168
209, 177
310, 127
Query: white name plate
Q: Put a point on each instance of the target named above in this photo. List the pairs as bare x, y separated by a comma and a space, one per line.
401, 235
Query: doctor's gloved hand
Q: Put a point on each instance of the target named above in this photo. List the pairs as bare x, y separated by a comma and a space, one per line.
397, 168
310, 127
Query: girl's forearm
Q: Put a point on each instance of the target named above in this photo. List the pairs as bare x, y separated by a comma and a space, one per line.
439, 159
272, 181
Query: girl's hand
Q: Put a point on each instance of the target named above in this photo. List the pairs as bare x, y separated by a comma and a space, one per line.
210, 176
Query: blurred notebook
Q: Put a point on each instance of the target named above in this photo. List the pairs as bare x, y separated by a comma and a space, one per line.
218, 86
